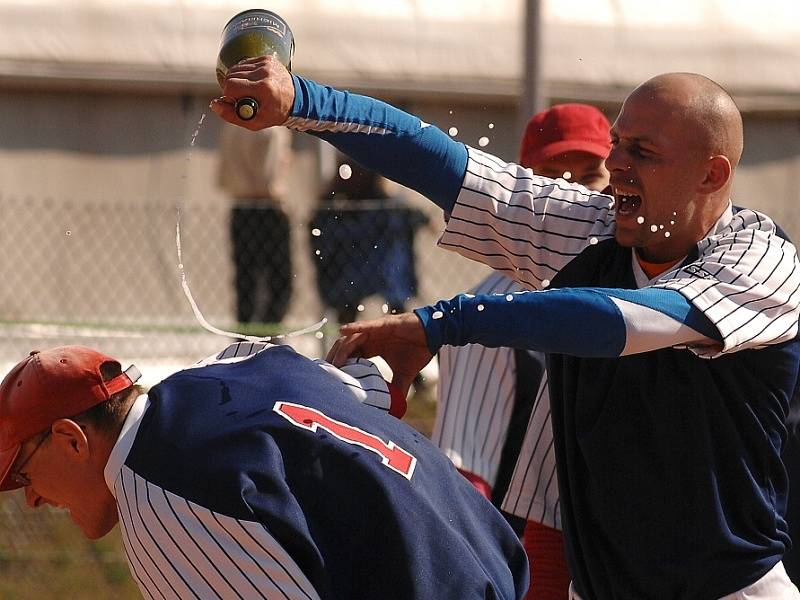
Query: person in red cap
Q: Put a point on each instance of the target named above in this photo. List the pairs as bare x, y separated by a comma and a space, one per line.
487, 396
257, 473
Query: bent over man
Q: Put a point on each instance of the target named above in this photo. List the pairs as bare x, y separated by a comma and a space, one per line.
255, 474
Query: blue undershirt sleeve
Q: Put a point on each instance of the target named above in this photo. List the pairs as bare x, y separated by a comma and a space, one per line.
582, 322
383, 138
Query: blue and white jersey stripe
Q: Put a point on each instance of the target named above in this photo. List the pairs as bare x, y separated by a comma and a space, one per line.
178, 549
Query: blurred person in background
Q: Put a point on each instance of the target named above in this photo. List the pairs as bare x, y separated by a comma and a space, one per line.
490, 399
362, 241
256, 473
252, 169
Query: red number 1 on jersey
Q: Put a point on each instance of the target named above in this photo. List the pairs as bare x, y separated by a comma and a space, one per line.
392, 456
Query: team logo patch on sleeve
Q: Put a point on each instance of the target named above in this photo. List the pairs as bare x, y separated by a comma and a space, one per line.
392, 456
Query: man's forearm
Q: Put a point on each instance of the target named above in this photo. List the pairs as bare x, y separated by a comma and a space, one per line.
588, 322
382, 138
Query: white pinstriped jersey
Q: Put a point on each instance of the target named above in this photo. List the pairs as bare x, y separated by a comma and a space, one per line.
744, 278
475, 397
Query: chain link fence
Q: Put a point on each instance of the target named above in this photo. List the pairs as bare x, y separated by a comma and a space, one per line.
105, 274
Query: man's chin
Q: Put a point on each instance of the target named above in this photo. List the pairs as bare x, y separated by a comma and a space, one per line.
626, 239
95, 531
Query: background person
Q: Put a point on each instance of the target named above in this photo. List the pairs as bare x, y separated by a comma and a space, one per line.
671, 352
256, 473
252, 170
363, 243
488, 398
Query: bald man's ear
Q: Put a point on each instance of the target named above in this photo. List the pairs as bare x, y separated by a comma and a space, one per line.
718, 174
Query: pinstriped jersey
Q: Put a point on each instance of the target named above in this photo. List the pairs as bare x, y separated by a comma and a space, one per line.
475, 397
666, 461
265, 477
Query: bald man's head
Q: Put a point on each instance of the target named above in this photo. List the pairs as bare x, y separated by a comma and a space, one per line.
712, 121
675, 145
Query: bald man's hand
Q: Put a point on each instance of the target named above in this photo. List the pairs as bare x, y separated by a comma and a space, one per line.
398, 339
267, 81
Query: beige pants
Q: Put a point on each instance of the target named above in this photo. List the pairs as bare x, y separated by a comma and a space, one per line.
775, 585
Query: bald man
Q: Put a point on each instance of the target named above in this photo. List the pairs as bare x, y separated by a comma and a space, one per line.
668, 319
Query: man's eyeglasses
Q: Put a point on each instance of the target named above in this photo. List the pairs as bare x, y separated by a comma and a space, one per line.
17, 476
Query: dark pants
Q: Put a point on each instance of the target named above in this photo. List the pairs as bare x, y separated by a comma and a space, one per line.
260, 239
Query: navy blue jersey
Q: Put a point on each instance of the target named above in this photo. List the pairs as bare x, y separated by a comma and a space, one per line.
652, 446
272, 456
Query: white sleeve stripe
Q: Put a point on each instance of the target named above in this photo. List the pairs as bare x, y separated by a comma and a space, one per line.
296, 578
548, 183
136, 571
150, 572
206, 559
506, 251
772, 323
523, 239
533, 491
249, 556
174, 542
493, 161
480, 417
318, 125
218, 556
589, 219
219, 545
157, 546
771, 308
469, 252
498, 420
475, 398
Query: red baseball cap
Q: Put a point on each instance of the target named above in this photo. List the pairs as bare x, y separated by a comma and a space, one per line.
565, 128
47, 386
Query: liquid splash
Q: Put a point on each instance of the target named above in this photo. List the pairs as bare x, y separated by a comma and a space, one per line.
198, 314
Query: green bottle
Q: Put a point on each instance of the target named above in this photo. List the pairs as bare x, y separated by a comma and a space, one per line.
252, 33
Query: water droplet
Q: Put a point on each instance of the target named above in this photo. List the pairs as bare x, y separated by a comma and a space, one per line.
484, 141
491, 125
345, 171
675, 214
437, 314
180, 265
509, 297
545, 283
316, 232
640, 220
68, 232
451, 111
672, 222
661, 227
360, 308
480, 307
375, 246
567, 175
317, 252
453, 131
592, 240
319, 335
385, 308
653, 228
666, 234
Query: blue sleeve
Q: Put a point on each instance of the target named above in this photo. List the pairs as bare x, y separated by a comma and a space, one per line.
383, 138
576, 321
